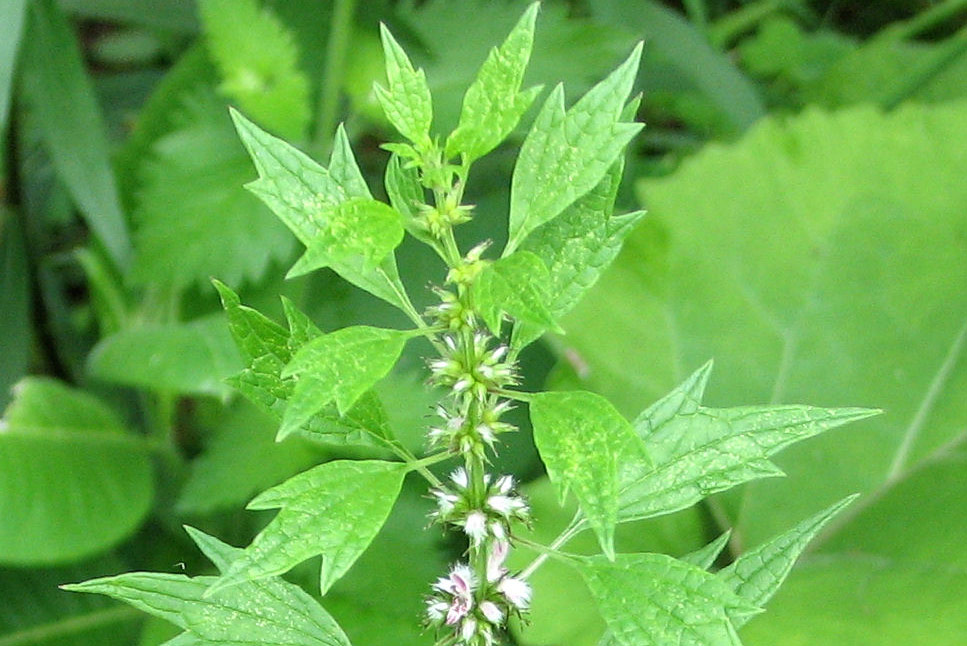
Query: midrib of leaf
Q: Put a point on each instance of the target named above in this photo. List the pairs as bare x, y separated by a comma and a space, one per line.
68, 436
936, 387
68, 626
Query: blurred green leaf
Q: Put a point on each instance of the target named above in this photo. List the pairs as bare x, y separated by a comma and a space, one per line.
90, 480
189, 358
834, 277
35, 613
259, 64
12, 15
60, 96
194, 219
176, 15
15, 292
240, 459
334, 509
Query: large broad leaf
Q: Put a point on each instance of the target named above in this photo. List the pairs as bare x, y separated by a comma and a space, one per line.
259, 63
194, 220
73, 480
12, 18
653, 600
270, 612
494, 103
566, 153
193, 357
334, 509
61, 97
587, 446
35, 613
805, 285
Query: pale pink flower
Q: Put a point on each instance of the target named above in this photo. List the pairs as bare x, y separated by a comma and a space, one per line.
516, 591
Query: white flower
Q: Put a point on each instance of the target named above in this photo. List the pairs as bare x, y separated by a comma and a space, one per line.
497, 530
436, 609
445, 501
495, 561
475, 526
504, 484
468, 629
516, 591
459, 477
459, 586
493, 614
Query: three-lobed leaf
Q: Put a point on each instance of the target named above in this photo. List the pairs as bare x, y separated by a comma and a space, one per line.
586, 446
567, 153
406, 99
517, 286
494, 103
270, 611
655, 600
339, 367
334, 509
699, 451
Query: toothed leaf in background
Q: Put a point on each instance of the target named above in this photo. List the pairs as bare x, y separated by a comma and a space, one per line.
494, 103
302, 193
188, 358
655, 600
193, 219
334, 509
515, 286
586, 446
566, 154
269, 611
258, 60
68, 446
406, 98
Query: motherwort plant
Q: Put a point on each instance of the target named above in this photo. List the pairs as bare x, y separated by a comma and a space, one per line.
562, 233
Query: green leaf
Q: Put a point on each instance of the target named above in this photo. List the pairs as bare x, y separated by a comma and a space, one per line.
757, 574
240, 459
517, 286
334, 509
63, 102
358, 228
269, 347
654, 599
406, 101
191, 189
405, 194
190, 358
340, 367
35, 613
699, 451
302, 193
586, 446
259, 64
12, 18
494, 103
705, 557
578, 245
566, 154
15, 292
270, 612
63, 445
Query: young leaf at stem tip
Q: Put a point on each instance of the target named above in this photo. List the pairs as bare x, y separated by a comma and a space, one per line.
494, 103
406, 101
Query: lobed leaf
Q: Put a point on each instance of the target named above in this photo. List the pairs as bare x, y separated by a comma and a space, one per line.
334, 509
406, 101
655, 600
566, 154
270, 611
757, 574
258, 60
494, 103
64, 445
699, 451
303, 194
517, 286
586, 446
339, 367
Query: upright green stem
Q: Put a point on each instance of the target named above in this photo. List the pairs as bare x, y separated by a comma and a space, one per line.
340, 35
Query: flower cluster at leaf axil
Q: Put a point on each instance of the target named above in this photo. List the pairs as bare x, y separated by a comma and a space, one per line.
501, 505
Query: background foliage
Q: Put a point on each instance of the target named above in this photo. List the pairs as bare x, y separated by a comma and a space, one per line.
803, 171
